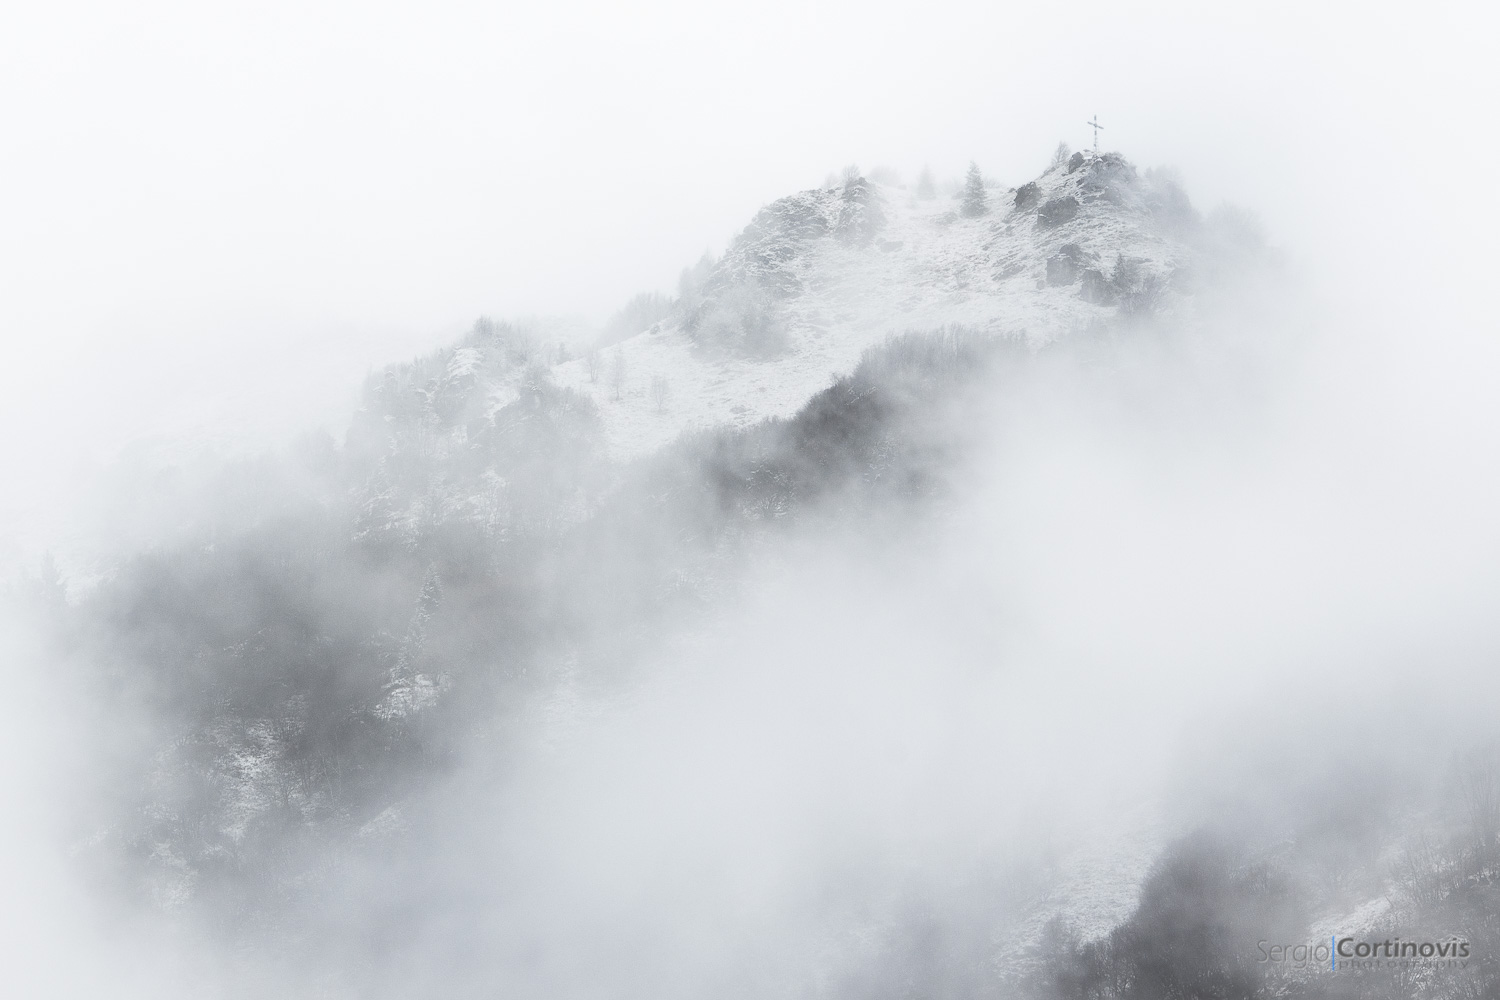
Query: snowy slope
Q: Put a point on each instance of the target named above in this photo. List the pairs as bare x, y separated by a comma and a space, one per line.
903, 264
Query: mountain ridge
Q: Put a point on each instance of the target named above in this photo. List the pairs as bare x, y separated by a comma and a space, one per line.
501, 524
819, 276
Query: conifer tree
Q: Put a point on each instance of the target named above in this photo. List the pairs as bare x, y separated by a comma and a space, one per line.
974, 203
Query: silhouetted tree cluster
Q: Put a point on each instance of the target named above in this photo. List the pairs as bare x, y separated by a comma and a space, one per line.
346, 639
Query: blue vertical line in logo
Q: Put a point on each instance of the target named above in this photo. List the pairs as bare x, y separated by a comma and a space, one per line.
1333, 951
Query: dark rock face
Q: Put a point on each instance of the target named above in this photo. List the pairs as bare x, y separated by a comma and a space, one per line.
787, 222
765, 253
1076, 253
776, 237
1057, 211
1075, 161
1027, 196
1096, 288
1111, 177
1064, 266
1061, 270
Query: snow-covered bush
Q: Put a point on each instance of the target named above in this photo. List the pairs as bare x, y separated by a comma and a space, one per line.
741, 317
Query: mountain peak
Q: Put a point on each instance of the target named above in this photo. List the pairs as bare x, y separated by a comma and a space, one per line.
818, 277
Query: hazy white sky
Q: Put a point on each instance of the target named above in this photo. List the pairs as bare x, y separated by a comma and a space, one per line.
214, 218
230, 211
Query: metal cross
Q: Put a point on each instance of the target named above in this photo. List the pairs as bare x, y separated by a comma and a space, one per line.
1096, 127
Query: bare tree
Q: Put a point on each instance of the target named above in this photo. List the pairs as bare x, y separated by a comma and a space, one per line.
1061, 153
1479, 784
617, 372
661, 391
591, 364
1423, 873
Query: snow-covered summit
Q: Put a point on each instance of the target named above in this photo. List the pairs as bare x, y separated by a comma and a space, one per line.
818, 277
815, 280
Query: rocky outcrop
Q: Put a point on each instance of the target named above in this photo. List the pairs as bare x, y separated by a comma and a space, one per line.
763, 253
1061, 270
1056, 212
1064, 267
766, 253
1109, 177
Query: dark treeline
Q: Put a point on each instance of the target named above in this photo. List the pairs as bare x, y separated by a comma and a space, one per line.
1219, 898
1296, 866
336, 625
339, 627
